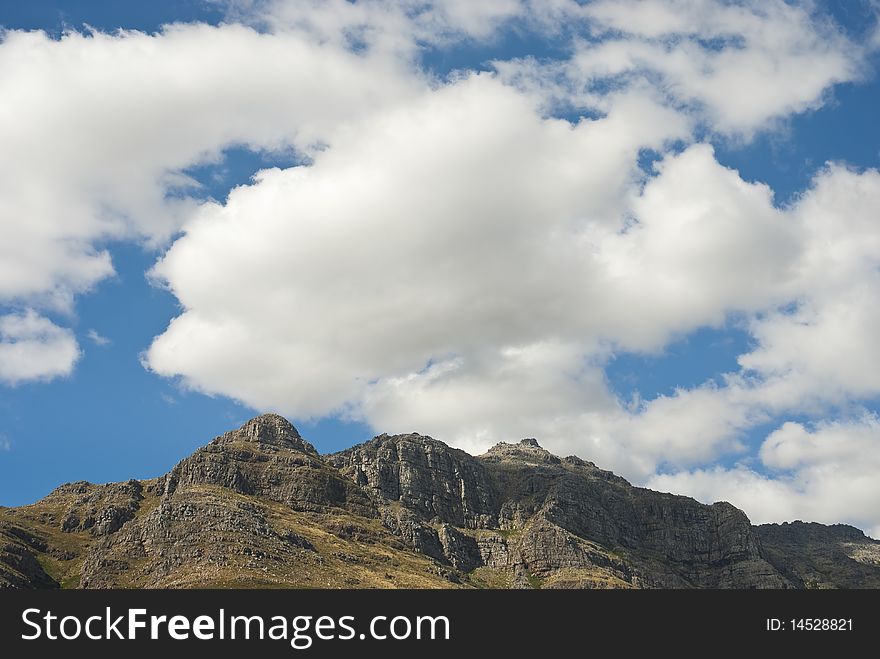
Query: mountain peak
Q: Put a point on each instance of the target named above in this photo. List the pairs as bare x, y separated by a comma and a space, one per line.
274, 430
525, 450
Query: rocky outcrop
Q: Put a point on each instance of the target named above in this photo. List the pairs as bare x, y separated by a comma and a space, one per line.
414, 533
427, 477
460, 549
267, 458
258, 506
99, 509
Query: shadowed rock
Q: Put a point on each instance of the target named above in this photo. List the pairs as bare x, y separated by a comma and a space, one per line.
19, 566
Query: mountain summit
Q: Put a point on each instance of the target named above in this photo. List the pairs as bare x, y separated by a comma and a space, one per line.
271, 430
259, 507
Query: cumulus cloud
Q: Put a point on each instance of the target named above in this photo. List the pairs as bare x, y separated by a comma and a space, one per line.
461, 223
828, 340
34, 348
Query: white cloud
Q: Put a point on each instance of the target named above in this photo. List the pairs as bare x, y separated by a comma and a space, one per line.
828, 342
826, 474
704, 238
106, 122
97, 338
390, 25
458, 225
34, 348
477, 399
739, 66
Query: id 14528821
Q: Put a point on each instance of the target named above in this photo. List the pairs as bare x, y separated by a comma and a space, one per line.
810, 625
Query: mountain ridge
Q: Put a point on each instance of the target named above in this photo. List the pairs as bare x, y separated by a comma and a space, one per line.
260, 507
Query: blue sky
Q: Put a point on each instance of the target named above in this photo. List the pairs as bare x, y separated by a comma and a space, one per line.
617, 386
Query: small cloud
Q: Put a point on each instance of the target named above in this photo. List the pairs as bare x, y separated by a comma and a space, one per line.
33, 348
97, 339
5, 444
168, 398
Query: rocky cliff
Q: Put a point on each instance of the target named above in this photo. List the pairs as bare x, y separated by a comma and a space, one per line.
259, 507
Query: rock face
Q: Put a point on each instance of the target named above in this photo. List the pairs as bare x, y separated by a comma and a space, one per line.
258, 507
817, 556
19, 566
102, 509
220, 534
580, 518
267, 458
425, 476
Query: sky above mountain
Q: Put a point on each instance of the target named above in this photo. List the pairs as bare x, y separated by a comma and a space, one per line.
646, 232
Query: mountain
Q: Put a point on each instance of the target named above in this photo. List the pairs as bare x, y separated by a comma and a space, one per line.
259, 507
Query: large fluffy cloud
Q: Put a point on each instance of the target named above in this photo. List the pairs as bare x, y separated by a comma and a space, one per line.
451, 226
